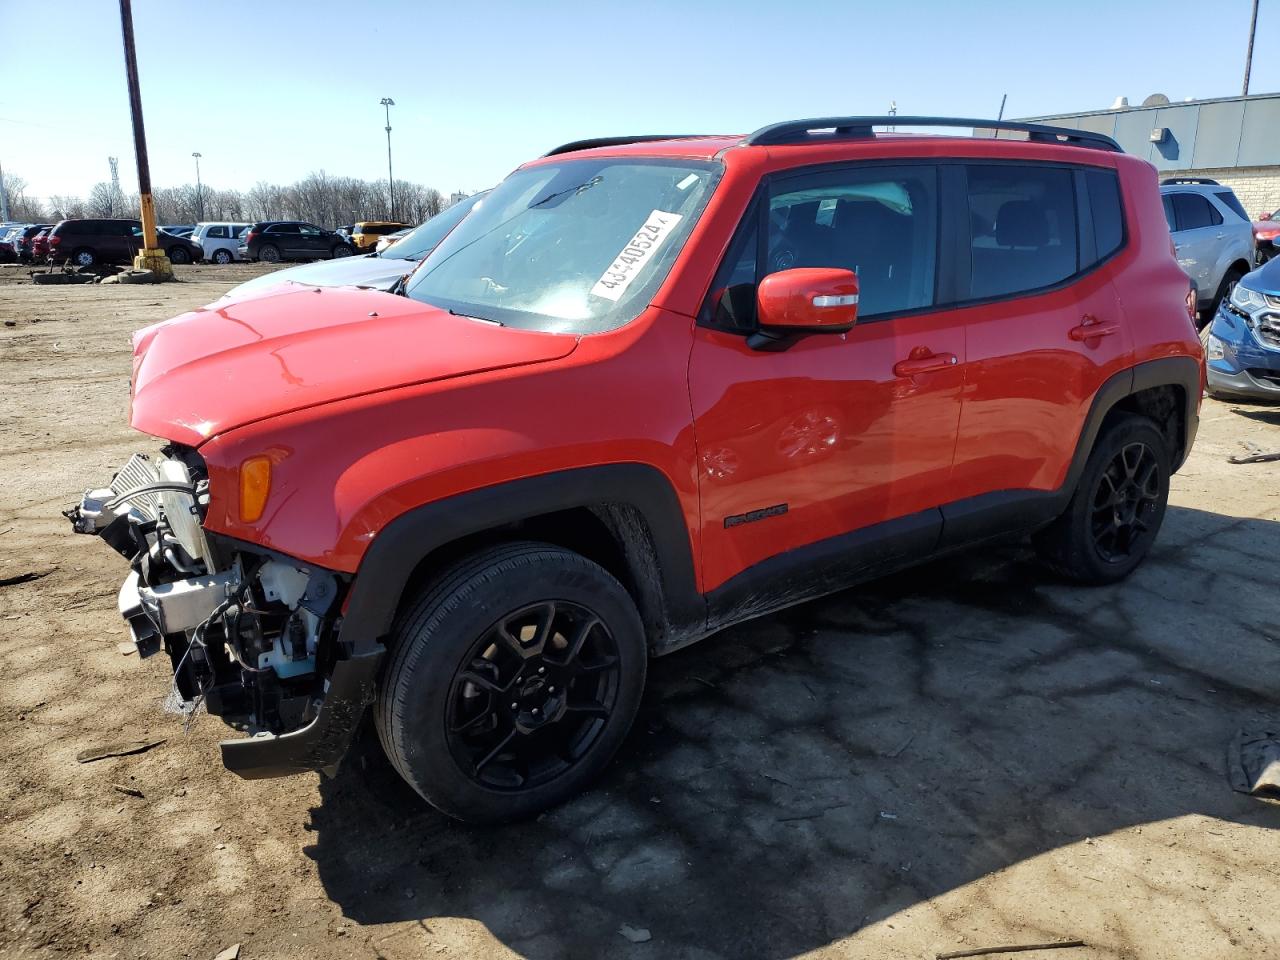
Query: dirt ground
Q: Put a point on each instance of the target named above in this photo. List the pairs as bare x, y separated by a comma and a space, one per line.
964, 755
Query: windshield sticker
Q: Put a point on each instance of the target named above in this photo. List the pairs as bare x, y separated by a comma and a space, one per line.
687, 182
638, 251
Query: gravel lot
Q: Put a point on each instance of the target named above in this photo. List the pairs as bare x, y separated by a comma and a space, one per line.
964, 755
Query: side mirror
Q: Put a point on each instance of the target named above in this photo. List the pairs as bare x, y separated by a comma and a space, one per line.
803, 301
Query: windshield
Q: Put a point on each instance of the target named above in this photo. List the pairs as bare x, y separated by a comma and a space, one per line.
578, 246
420, 241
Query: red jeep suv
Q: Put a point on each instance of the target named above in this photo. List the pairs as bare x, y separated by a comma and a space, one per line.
653, 386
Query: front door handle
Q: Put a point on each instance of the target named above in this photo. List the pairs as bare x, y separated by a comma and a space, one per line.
930, 363
1092, 327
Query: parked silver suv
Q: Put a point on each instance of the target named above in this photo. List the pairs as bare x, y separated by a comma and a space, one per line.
1212, 235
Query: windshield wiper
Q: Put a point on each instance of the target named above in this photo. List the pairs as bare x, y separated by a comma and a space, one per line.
471, 316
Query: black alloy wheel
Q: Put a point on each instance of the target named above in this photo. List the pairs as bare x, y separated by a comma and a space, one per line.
1118, 505
511, 681
532, 695
1126, 502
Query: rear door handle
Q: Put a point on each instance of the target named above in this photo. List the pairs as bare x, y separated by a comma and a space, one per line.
928, 364
1092, 327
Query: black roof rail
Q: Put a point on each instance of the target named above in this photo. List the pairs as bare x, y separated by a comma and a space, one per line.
574, 145
853, 128
1179, 181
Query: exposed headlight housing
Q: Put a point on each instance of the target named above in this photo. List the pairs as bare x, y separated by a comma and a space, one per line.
1214, 349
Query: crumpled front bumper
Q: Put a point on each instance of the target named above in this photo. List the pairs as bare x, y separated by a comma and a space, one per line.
163, 610
323, 742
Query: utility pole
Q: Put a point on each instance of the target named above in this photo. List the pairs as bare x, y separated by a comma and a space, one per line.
1248, 57
4, 199
387, 104
150, 257
199, 189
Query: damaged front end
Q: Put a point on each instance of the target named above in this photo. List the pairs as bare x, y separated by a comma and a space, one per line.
250, 633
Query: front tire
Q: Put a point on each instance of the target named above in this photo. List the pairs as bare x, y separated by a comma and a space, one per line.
512, 682
1229, 281
341, 250
179, 255
1117, 508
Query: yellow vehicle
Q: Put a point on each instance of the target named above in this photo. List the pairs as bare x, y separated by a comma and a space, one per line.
366, 235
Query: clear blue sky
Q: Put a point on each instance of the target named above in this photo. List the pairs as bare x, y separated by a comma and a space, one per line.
271, 90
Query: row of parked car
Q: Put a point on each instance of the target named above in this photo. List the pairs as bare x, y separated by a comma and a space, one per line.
85, 242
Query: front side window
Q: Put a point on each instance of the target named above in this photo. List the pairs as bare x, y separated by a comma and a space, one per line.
217, 233
879, 222
575, 246
1022, 228
307, 230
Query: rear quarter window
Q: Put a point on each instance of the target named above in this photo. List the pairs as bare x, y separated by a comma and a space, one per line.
1107, 211
1232, 202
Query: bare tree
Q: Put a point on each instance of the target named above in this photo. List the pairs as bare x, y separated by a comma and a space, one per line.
21, 207
103, 201
318, 198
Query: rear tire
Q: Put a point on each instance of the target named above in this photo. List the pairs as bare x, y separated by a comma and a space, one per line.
269, 253
222, 256
1117, 508
512, 682
84, 257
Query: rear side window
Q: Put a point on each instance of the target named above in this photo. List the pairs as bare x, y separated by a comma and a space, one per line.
1106, 210
1192, 211
1232, 202
1022, 228
283, 228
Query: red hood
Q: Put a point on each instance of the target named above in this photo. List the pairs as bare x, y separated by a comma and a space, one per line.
221, 367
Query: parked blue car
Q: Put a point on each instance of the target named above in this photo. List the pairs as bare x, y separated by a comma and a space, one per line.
1242, 345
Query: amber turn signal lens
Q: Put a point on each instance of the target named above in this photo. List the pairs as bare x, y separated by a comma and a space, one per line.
255, 486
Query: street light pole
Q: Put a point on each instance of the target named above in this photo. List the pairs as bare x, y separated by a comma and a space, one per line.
199, 189
1248, 58
387, 104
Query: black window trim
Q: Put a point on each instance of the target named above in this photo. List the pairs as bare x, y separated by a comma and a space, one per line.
953, 221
